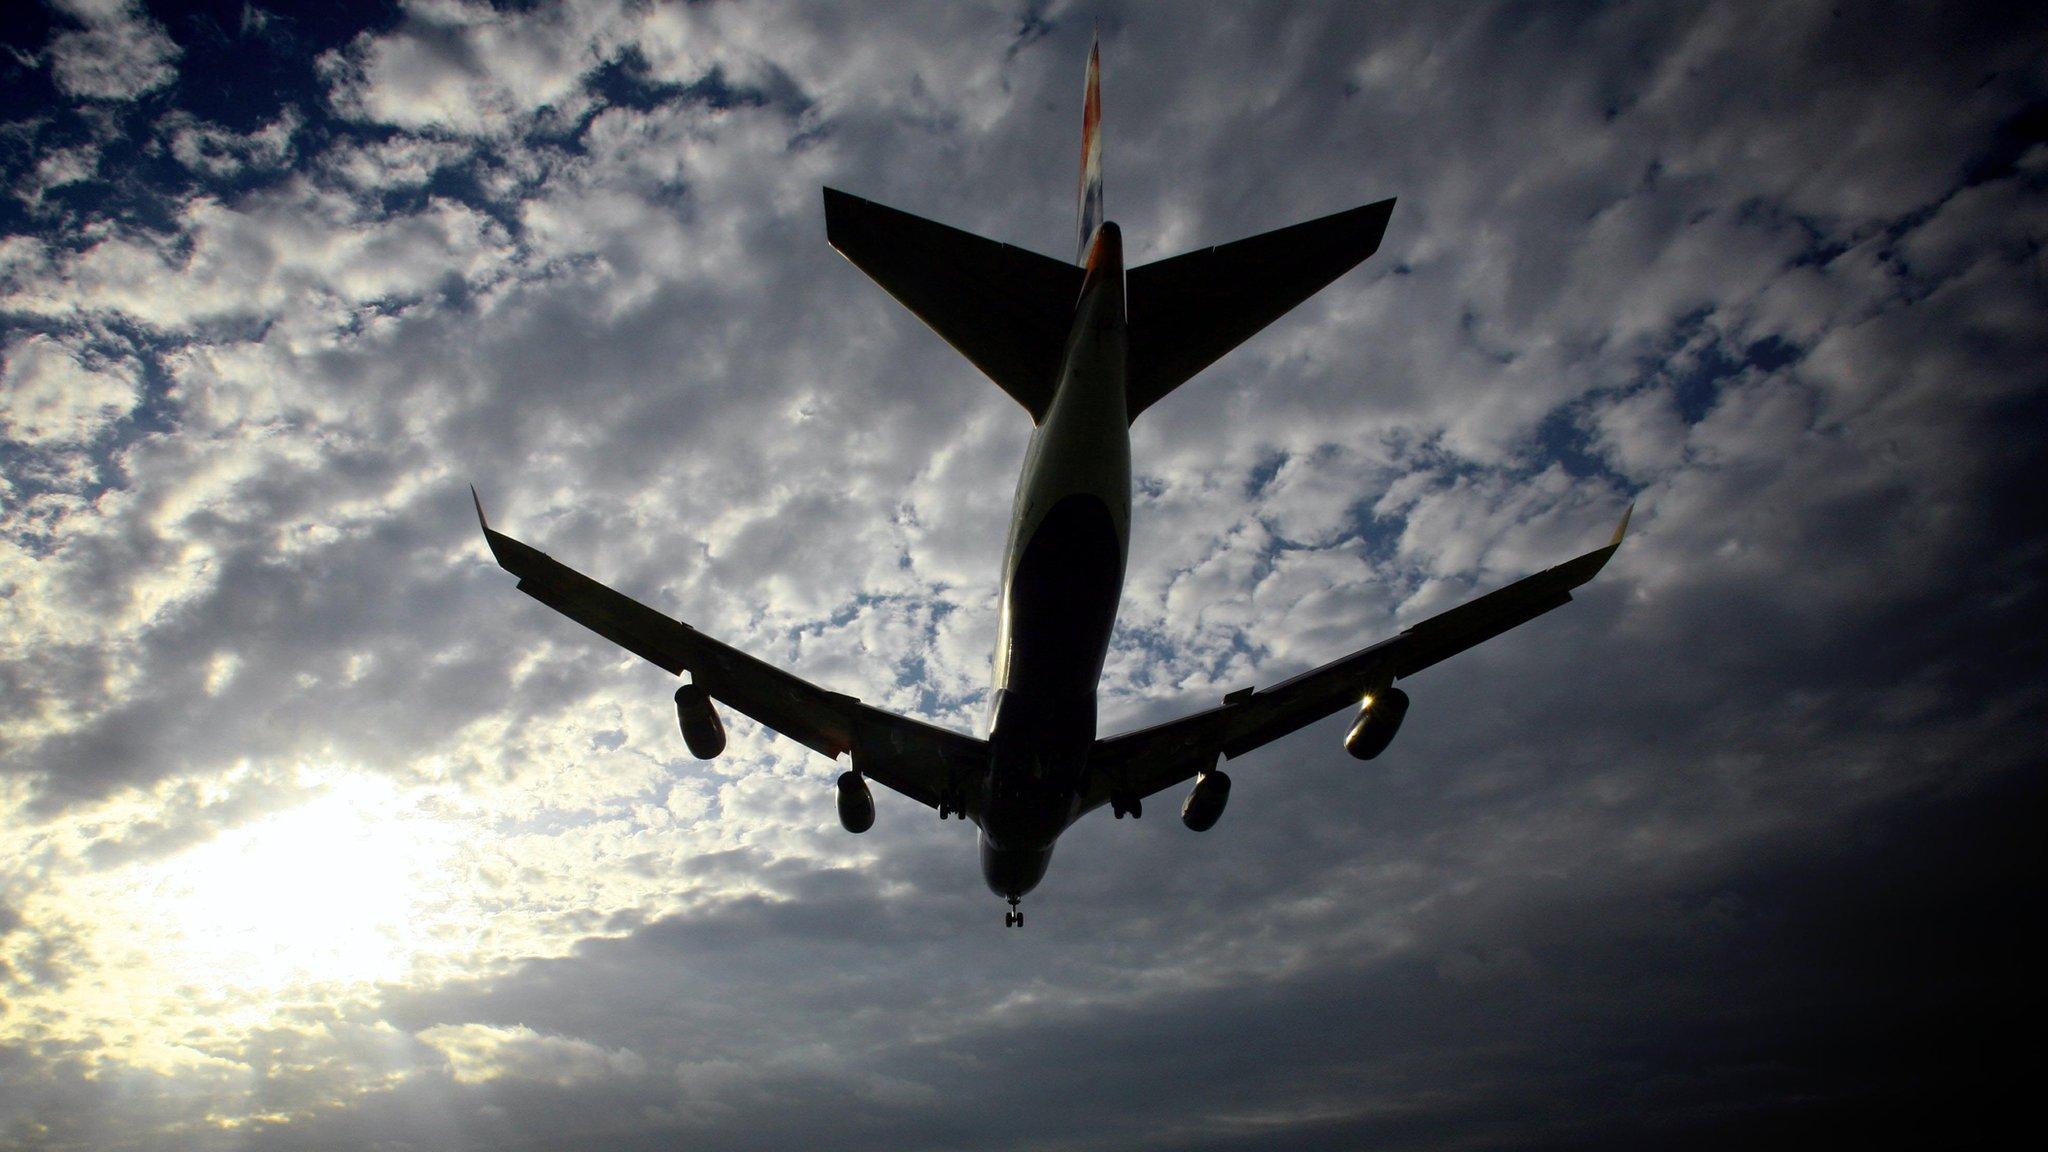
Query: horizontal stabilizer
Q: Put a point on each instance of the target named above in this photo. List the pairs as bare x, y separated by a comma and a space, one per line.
1187, 311
1005, 309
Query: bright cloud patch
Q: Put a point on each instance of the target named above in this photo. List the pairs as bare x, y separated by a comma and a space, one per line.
467, 68
119, 55
52, 397
298, 251
60, 167
165, 925
216, 151
481, 1052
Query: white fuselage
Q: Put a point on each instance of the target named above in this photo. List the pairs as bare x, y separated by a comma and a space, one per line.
1063, 574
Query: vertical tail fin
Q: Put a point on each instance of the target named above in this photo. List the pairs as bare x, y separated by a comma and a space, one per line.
1091, 153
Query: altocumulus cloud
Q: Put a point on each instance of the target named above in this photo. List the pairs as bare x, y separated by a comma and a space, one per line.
119, 54
316, 834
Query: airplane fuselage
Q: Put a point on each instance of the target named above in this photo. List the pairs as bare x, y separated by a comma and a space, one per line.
1063, 574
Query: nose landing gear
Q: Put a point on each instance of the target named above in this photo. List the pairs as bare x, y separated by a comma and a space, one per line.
1014, 918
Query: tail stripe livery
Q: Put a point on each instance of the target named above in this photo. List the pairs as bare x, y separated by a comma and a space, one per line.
1091, 156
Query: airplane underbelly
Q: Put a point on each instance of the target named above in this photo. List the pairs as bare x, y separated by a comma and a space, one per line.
1063, 601
1013, 871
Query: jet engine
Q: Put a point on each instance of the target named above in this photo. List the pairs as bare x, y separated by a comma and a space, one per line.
856, 803
702, 730
1379, 717
1204, 805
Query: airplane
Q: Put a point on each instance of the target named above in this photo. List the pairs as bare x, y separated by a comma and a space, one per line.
1085, 348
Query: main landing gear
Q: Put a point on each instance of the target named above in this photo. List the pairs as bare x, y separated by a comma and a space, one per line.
1124, 806
1014, 918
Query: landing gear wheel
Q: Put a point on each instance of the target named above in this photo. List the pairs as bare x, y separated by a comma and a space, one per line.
1014, 918
1133, 807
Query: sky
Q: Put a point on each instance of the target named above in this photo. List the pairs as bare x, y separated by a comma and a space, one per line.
314, 833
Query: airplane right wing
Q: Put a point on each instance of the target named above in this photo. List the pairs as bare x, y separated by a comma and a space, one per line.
922, 761
1137, 764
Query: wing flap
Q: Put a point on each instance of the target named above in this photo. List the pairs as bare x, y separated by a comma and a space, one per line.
917, 759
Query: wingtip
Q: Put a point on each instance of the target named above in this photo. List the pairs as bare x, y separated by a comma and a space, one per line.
509, 553
1621, 529
840, 207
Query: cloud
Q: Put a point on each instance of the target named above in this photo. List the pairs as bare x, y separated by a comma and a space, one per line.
400, 162
57, 169
480, 1052
470, 69
211, 150
120, 54
52, 397
296, 250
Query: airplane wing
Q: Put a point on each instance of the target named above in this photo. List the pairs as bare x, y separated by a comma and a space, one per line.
1151, 759
914, 758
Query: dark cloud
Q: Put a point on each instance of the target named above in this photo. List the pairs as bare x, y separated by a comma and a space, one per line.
1843, 977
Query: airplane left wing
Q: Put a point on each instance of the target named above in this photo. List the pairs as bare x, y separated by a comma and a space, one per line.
1137, 764
922, 761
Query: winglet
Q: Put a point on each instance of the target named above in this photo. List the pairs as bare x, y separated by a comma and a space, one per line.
504, 549
1621, 529
1578, 570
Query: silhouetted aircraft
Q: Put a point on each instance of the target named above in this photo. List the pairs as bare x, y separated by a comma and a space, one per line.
1085, 349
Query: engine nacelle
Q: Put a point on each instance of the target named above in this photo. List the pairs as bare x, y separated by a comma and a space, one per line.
856, 803
1204, 805
702, 730
1379, 717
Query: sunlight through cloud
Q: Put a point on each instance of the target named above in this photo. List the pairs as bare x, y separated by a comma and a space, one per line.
179, 956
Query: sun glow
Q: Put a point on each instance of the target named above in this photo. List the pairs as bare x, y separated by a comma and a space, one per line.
181, 956
350, 888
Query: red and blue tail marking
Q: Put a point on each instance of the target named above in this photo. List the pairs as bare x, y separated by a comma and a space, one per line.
1091, 155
